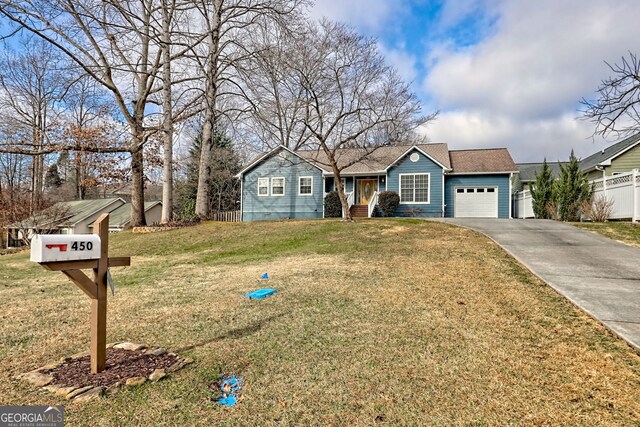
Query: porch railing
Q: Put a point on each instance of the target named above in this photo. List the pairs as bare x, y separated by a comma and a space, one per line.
350, 199
372, 203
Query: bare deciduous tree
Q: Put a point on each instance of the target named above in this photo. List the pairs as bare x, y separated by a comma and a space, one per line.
111, 41
228, 25
33, 85
617, 108
353, 99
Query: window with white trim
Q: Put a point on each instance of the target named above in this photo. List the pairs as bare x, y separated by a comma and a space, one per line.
414, 188
305, 185
263, 186
277, 186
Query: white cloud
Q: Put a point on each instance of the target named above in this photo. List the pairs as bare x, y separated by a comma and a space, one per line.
528, 141
403, 61
520, 87
365, 14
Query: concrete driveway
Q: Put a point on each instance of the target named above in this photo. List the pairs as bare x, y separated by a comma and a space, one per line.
599, 275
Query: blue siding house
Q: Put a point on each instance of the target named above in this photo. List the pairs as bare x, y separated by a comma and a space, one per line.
431, 180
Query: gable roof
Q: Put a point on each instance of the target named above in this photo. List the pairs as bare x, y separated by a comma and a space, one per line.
487, 160
75, 210
377, 161
120, 217
605, 156
80, 210
261, 157
358, 161
528, 170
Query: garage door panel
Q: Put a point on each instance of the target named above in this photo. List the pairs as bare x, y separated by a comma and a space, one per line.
474, 202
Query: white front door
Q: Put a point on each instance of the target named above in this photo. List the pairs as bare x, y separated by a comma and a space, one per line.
476, 202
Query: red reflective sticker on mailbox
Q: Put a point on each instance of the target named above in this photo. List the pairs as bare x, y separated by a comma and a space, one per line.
61, 246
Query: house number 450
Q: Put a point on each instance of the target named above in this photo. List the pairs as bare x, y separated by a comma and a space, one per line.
81, 246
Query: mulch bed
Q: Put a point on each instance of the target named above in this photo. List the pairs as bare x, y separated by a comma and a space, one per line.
120, 365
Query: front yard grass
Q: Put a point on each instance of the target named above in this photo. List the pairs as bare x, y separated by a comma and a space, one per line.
377, 322
624, 232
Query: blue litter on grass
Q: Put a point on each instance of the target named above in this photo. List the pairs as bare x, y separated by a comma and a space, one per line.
230, 388
261, 293
265, 276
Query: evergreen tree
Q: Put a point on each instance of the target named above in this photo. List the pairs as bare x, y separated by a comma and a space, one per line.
52, 180
225, 189
542, 191
572, 189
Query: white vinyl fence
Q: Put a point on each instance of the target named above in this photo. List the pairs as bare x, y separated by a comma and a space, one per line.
623, 190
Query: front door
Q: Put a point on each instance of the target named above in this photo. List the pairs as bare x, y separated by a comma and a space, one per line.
367, 187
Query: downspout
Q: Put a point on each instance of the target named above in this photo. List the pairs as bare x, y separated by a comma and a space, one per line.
511, 196
241, 198
443, 204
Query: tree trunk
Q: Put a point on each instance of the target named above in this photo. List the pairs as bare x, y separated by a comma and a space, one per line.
167, 118
137, 185
346, 214
203, 197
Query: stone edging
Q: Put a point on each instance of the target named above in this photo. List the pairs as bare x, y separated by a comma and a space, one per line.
39, 379
142, 230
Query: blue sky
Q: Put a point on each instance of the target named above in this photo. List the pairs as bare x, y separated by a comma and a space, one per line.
503, 73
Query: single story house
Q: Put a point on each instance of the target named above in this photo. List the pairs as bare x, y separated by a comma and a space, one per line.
431, 180
120, 218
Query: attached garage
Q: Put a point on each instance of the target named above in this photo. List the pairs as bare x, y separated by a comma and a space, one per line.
476, 202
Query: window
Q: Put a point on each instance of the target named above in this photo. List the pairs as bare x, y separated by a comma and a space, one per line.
277, 186
263, 186
305, 185
491, 190
414, 188
344, 184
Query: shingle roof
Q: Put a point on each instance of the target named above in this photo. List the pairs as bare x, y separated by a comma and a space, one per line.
608, 153
482, 161
378, 160
75, 211
81, 209
121, 217
528, 170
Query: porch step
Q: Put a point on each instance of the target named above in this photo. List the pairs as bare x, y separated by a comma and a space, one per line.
359, 211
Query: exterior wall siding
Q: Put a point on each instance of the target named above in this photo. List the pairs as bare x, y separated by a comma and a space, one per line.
290, 205
626, 162
423, 165
500, 181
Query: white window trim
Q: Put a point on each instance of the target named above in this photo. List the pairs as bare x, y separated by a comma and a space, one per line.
284, 186
268, 187
300, 178
428, 202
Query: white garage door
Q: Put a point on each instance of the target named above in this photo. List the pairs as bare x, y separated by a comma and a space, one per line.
475, 202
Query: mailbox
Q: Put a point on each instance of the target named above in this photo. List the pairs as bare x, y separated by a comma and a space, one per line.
64, 247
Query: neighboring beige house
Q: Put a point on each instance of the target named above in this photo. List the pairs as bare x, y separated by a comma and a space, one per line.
120, 218
79, 216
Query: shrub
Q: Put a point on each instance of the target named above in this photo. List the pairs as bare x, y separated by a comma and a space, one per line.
332, 205
597, 210
542, 191
388, 202
572, 188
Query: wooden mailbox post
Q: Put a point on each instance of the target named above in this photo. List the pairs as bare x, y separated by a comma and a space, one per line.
48, 249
